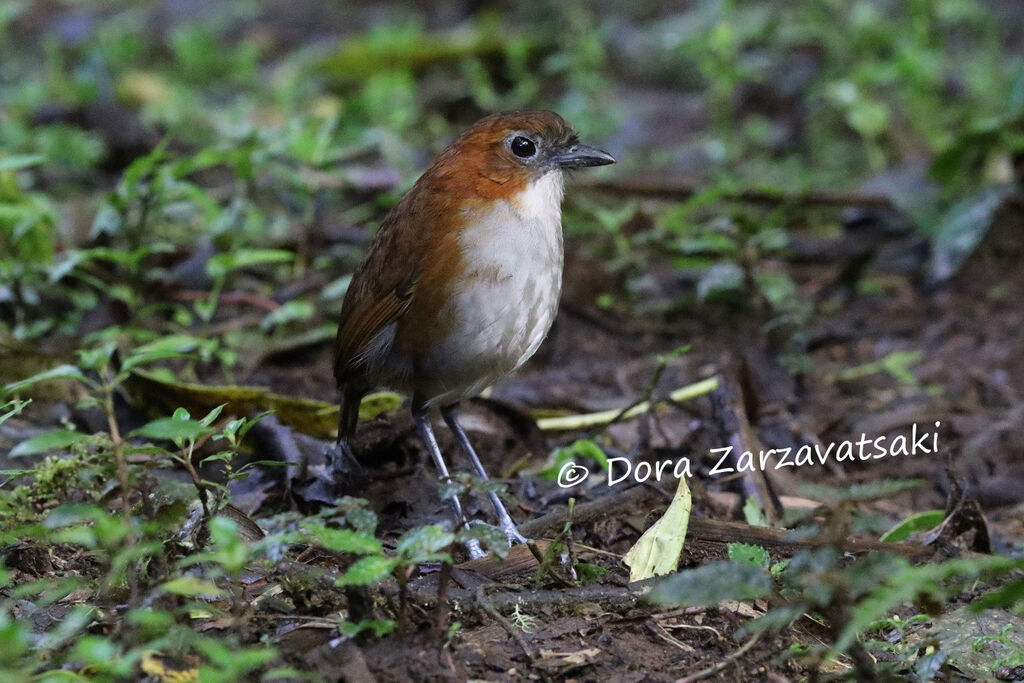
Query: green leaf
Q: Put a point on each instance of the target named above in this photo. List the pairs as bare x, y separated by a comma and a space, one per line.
379, 628
286, 313
108, 221
750, 554
222, 264
590, 572
425, 544
151, 618
95, 650
212, 415
922, 521
870, 490
47, 441
176, 343
1009, 596
173, 429
191, 586
896, 364
59, 372
906, 583
231, 551
72, 513
172, 346
223, 456
21, 161
583, 448
344, 540
719, 280
962, 228
367, 570
710, 584
753, 513
143, 166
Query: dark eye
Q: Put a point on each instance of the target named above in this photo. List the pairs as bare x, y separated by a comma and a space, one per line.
523, 147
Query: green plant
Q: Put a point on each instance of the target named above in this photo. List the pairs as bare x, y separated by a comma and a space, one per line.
1009, 653
852, 598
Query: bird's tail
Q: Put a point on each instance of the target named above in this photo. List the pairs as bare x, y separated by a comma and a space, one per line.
348, 418
348, 414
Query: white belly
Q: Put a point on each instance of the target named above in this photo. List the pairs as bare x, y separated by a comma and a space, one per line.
507, 299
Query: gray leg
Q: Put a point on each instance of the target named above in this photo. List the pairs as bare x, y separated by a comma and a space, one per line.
426, 432
507, 525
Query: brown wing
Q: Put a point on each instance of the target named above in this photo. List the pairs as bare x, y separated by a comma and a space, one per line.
378, 296
416, 244
366, 319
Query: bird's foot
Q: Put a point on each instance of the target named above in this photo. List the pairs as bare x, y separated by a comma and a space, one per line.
505, 521
341, 459
474, 549
333, 456
512, 534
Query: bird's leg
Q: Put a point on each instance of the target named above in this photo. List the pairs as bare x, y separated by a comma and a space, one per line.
426, 432
450, 415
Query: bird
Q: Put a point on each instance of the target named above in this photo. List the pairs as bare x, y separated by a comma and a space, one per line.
461, 283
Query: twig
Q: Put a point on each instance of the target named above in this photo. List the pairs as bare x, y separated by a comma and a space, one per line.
197, 481
648, 393
247, 298
563, 539
669, 638
485, 605
442, 611
604, 417
118, 445
567, 536
720, 665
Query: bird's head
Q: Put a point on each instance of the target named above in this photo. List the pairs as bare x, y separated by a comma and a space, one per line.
516, 148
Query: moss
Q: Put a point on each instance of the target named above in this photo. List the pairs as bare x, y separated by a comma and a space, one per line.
57, 479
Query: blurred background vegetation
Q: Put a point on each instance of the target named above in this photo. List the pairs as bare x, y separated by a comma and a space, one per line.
133, 133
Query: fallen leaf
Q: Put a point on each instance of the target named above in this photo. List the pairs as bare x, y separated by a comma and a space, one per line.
657, 551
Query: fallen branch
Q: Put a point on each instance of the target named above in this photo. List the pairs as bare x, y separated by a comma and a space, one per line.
710, 529
670, 190
612, 597
741, 532
424, 593
583, 513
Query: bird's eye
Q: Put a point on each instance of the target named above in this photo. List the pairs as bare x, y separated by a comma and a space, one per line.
523, 147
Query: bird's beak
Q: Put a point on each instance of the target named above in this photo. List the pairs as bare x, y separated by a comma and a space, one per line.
581, 156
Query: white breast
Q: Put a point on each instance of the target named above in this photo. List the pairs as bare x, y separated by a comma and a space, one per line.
508, 296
